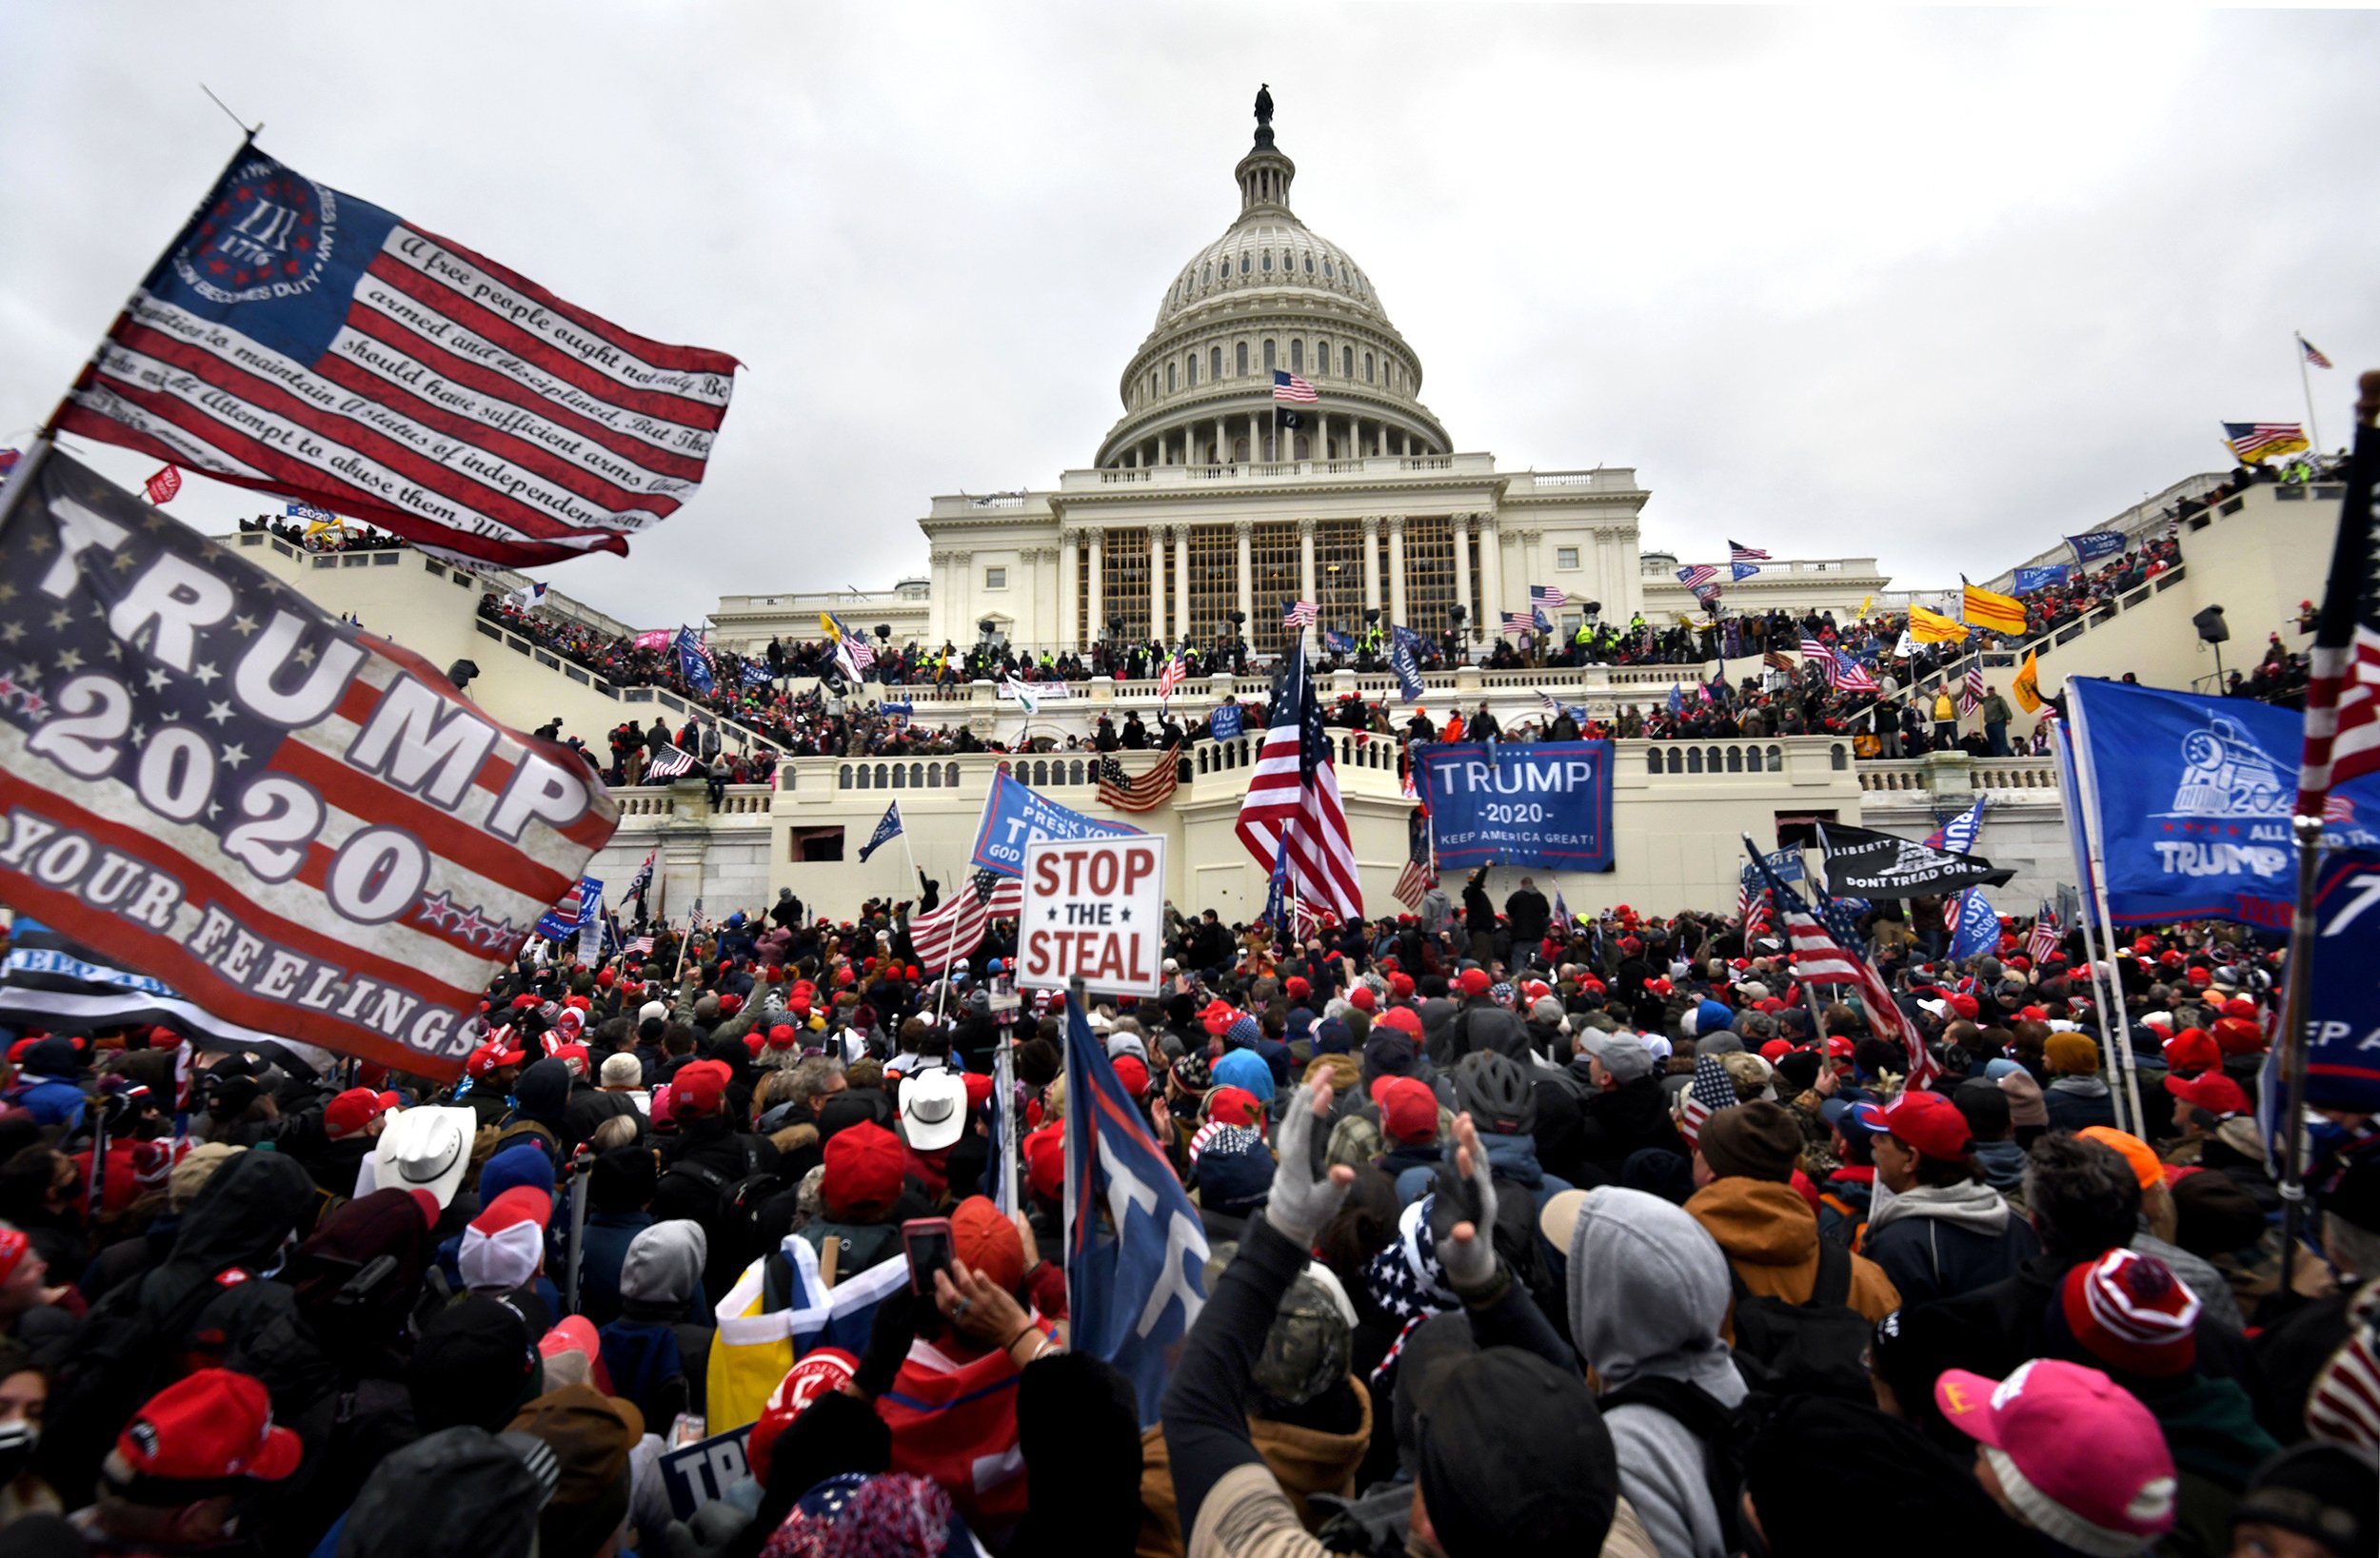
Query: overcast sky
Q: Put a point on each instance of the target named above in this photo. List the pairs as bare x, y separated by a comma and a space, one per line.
1931, 285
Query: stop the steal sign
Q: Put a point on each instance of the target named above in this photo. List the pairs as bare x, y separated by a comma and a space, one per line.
1095, 908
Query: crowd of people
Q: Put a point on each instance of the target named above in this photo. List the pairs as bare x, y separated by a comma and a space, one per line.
1527, 1236
315, 536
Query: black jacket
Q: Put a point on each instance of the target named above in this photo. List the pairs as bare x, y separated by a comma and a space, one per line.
1625, 1120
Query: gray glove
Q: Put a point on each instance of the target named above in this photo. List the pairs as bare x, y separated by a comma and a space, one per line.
1465, 1198
1301, 1201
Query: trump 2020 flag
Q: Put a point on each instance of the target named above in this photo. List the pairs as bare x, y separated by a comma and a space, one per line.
299, 341
574, 913
1135, 1253
694, 663
300, 828
886, 831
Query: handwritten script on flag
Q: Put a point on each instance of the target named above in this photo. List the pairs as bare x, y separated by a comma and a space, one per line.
303, 829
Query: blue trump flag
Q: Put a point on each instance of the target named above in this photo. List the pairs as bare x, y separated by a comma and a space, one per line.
574, 912
1015, 814
1978, 928
1531, 803
1404, 658
2029, 579
886, 831
1227, 721
1135, 1253
2095, 545
2343, 995
694, 663
2185, 800
1338, 643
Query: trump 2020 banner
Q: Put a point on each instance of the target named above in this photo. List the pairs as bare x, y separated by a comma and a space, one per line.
2343, 1001
302, 829
2188, 800
1542, 803
1015, 814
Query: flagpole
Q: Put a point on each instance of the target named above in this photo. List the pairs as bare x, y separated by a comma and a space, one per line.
2087, 786
2293, 1037
2306, 381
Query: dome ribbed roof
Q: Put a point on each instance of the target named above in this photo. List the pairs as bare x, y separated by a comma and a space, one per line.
1269, 251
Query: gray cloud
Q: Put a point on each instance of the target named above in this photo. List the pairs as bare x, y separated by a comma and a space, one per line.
1930, 284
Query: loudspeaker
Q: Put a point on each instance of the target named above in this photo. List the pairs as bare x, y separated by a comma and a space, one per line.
2211, 626
1456, 614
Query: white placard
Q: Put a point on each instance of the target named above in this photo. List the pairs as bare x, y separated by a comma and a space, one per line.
1093, 907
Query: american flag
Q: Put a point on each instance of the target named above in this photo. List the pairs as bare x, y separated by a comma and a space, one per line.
669, 763
2311, 354
642, 946
1288, 387
1776, 659
1292, 809
854, 643
1298, 613
1849, 676
1412, 883
2342, 735
2044, 938
392, 880
948, 934
1522, 622
1710, 1091
1822, 955
298, 341
1170, 677
1145, 793
1699, 576
2255, 441
1547, 598
1971, 696
1738, 552
1414, 879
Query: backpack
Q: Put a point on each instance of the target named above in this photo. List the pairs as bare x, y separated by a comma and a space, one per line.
1848, 1229
122, 1356
1814, 1349
733, 1227
1722, 1432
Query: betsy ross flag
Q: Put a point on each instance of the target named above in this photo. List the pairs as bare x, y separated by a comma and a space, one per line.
1711, 1090
2311, 355
1141, 793
1170, 677
2341, 737
1292, 808
299, 341
1738, 552
2255, 442
947, 934
1821, 955
1288, 387
1300, 614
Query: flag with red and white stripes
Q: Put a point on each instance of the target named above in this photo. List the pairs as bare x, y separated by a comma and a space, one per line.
302, 828
949, 934
2342, 713
1971, 696
1288, 387
1819, 958
1711, 1090
671, 761
2044, 938
1292, 811
1170, 677
299, 341
1295, 613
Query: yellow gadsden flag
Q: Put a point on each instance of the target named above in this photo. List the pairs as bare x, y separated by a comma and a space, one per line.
2028, 684
2002, 614
1933, 627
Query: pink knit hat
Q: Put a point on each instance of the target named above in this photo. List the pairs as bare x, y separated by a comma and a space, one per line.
2079, 1459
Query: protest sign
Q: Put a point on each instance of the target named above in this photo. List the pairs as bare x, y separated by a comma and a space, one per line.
1094, 908
1015, 814
1543, 803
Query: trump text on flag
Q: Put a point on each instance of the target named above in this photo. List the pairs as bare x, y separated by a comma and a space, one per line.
1547, 804
1093, 909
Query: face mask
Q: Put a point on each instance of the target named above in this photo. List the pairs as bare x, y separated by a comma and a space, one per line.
18, 1439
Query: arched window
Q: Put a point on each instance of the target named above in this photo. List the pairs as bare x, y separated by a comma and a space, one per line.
1268, 354
842, 778
950, 776
1075, 773
1367, 367
1346, 362
899, 778
1173, 377
1215, 363
1694, 759
1242, 368
864, 780
1190, 370
1206, 273
1652, 758
1776, 759
1327, 268
1836, 759
1734, 759
1309, 264
1296, 357
881, 777
1243, 264
1268, 260
1752, 760
1321, 357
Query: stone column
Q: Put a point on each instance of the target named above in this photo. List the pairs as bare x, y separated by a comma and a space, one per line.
1491, 573
1157, 580
1371, 563
1098, 624
1306, 559
1461, 523
1223, 444
962, 599
1069, 571
1182, 580
1243, 531
1397, 569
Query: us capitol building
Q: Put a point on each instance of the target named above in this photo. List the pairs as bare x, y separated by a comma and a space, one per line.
1209, 496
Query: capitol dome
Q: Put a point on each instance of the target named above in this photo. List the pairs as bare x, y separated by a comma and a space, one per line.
1270, 296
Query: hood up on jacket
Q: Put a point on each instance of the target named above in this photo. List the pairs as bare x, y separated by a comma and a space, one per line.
663, 1266
1648, 1292
248, 1209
